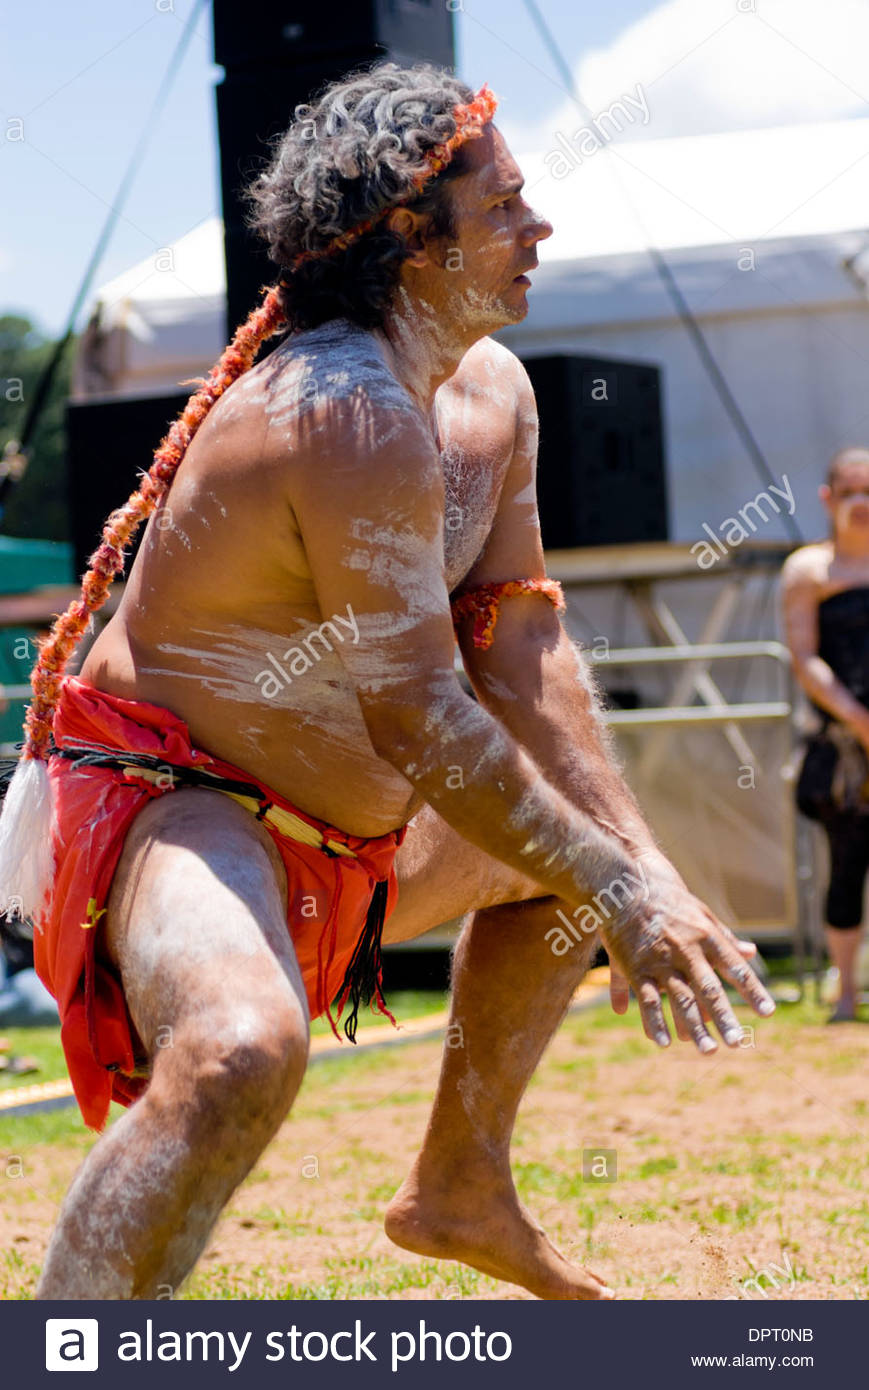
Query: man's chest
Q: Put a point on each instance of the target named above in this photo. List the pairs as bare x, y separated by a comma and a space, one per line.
475, 450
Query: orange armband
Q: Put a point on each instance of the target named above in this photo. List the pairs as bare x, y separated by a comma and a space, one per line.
483, 603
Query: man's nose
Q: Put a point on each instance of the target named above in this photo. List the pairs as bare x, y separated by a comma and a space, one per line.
537, 229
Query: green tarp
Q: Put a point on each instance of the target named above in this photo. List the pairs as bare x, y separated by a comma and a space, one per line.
25, 565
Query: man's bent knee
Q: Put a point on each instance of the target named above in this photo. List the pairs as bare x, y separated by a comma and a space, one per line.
240, 1071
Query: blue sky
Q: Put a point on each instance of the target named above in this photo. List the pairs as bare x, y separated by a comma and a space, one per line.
77, 82
82, 79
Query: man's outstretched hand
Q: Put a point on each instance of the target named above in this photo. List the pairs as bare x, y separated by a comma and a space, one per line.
674, 944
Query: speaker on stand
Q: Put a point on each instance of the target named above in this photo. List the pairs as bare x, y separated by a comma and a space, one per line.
109, 442
601, 477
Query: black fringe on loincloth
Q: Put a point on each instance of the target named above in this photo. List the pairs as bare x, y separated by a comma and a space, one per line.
363, 980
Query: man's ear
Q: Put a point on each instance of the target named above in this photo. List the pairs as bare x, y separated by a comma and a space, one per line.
410, 226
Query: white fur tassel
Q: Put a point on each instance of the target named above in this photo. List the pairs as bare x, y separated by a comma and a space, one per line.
26, 853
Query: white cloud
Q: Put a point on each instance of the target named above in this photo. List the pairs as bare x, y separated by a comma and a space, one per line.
715, 65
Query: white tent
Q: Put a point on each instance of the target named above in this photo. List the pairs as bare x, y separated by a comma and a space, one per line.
159, 322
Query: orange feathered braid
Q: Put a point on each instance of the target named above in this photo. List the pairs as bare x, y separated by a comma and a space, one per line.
108, 560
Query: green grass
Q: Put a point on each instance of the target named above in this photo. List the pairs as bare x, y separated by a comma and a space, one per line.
629, 1049
404, 1003
268, 1218
653, 1166
739, 1214
19, 1132
44, 1043
354, 1277
743, 1193
15, 1270
41, 1043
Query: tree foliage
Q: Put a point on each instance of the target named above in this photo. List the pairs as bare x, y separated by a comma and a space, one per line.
37, 506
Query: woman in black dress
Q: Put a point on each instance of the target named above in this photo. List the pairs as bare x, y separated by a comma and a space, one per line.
825, 596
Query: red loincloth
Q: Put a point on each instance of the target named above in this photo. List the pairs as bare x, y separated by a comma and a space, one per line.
95, 805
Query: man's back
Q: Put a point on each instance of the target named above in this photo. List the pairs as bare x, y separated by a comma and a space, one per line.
220, 620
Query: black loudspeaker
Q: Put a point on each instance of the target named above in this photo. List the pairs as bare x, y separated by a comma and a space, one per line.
263, 32
601, 476
278, 54
108, 444
251, 108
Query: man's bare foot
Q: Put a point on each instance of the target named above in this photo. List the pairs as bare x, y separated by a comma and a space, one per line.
484, 1225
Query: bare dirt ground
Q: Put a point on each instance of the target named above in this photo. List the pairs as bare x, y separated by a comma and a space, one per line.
739, 1176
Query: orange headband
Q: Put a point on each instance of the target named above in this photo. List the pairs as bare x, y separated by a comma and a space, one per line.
470, 119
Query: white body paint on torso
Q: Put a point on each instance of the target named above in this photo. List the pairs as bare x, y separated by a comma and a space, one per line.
223, 580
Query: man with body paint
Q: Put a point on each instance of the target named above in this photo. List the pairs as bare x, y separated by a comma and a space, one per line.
379, 463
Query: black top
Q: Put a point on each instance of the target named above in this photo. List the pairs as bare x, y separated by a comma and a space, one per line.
843, 640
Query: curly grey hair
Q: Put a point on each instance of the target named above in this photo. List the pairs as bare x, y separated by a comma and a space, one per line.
349, 155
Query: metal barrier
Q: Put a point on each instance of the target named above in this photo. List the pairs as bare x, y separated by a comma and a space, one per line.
798, 845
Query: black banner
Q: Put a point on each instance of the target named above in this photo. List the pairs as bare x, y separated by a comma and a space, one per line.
497, 1344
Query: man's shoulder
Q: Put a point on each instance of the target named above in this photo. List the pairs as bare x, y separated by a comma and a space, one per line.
335, 389
340, 361
489, 363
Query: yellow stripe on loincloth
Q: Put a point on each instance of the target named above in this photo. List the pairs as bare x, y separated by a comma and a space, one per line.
93, 915
293, 827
